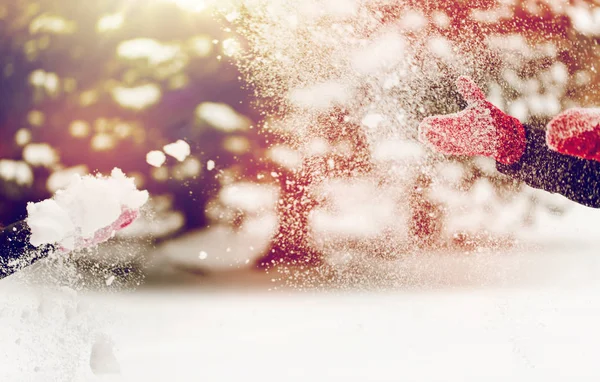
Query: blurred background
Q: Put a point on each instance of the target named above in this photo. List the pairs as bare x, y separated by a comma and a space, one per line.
88, 86
304, 171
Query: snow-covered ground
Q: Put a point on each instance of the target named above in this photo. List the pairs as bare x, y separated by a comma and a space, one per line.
527, 315
537, 327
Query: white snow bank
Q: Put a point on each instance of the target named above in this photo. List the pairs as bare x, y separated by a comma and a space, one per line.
87, 205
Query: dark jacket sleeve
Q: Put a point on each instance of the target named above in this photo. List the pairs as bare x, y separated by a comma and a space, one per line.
15, 250
540, 167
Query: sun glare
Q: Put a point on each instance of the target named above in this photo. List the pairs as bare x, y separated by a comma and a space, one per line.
195, 6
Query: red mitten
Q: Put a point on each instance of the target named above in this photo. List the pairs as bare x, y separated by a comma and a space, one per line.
480, 129
576, 132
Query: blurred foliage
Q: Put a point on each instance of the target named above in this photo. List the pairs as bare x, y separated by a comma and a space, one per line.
103, 83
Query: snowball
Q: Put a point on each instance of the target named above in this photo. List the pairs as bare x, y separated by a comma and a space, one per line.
178, 150
62, 178
49, 222
210, 165
156, 158
87, 205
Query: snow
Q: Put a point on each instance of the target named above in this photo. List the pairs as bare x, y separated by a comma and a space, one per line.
229, 249
110, 280
87, 205
249, 197
321, 96
102, 359
62, 178
156, 158
441, 19
23, 137
178, 150
221, 116
372, 121
189, 168
383, 52
440, 46
285, 156
110, 22
522, 316
223, 247
145, 48
16, 171
413, 20
40, 154
585, 19
50, 223
137, 98
355, 209
210, 165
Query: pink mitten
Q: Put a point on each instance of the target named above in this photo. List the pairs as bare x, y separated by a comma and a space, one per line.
127, 217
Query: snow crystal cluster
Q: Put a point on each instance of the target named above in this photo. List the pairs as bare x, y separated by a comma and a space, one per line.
344, 85
89, 204
179, 150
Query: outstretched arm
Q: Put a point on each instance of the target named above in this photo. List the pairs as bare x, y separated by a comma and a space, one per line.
563, 159
15, 250
88, 212
546, 169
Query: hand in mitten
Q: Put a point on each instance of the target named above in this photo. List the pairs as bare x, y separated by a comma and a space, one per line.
480, 129
576, 132
126, 218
